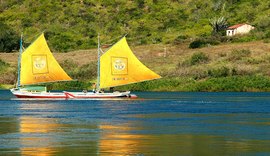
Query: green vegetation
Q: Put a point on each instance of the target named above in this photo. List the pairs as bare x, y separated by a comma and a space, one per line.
3, 65
82, 73
220, 72
72, 85
231, 83
218, 25
184, 41
202, 42
196, 58
8, 38
230, 68
7, 74
73, 25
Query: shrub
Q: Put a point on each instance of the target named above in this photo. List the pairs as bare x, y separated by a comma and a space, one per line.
219, 72
199, 43
197, 58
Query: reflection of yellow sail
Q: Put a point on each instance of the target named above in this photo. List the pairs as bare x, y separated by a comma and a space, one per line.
115, 144
34, 144
119, 66
38, 64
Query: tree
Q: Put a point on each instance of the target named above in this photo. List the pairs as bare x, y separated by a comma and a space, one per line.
9, 40
218, 24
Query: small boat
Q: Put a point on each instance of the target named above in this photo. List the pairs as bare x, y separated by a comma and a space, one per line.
36, 66
118, 66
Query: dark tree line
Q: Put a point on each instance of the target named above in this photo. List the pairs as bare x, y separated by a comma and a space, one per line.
9, 39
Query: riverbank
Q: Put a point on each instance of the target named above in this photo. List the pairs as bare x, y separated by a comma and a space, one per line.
226, 67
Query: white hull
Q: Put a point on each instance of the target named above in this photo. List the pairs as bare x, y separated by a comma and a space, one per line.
70, 95
93, 95
25, 94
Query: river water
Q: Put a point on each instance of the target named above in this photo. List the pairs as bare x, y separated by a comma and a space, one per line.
158, 123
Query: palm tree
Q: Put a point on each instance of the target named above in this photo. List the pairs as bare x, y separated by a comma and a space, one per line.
218, 24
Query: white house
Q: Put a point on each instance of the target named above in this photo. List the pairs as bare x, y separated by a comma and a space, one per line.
239, 29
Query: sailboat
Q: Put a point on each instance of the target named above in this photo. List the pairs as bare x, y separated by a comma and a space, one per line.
37, 65
116, 67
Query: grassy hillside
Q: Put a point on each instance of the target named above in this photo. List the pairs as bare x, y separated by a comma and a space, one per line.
160, 33
73, 25
226, 67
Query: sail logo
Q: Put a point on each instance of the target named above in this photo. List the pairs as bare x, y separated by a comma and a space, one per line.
119, 65
40, 65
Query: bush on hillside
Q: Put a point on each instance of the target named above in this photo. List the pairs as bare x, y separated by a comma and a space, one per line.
9, 40
197, 58
219, 72
199, 43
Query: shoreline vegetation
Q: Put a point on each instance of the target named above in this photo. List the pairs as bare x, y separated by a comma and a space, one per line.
183, 41
225, 67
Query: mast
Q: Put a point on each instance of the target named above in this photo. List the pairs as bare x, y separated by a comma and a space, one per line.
19, 63
98, 67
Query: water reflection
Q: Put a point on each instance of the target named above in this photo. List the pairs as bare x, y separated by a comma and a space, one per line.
35, 139
38, 133
53, 128
114, 143
205, 126
120, 140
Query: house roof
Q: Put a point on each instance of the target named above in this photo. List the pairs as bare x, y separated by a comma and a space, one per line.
236, 26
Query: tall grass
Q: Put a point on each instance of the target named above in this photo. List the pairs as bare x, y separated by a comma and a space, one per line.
3, 65
239, 54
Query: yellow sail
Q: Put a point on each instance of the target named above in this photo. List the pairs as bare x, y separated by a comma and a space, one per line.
38, 64
119, 66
